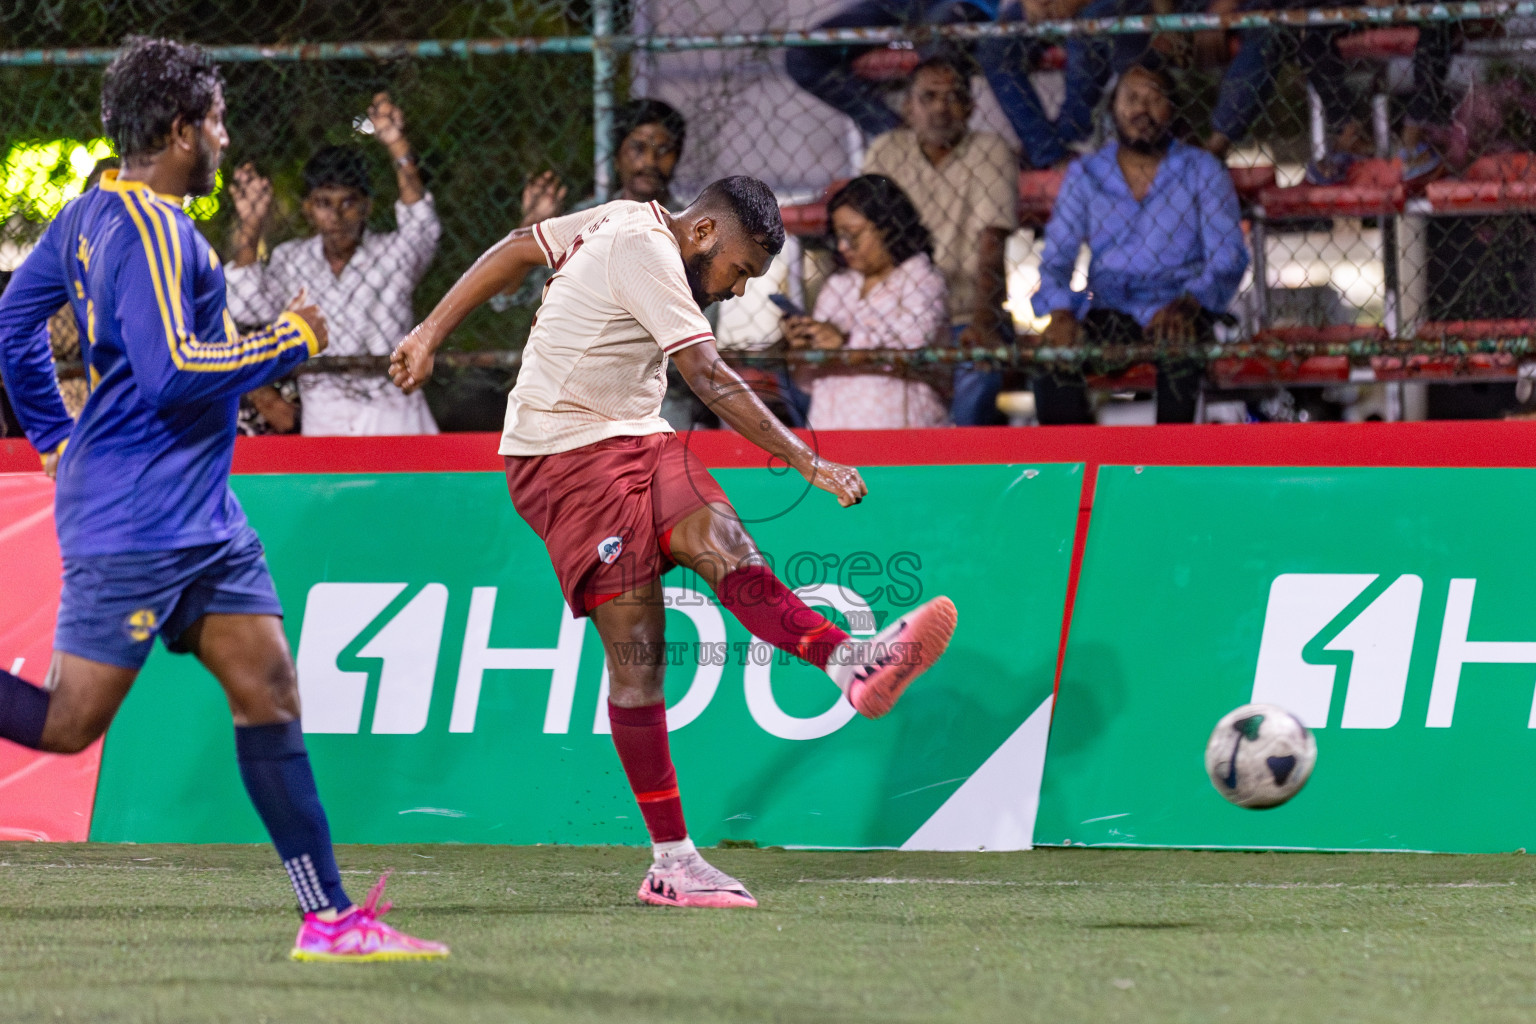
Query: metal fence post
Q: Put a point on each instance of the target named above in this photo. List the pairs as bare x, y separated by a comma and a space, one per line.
602, 99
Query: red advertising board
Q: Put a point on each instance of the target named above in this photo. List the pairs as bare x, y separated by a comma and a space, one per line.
43, 797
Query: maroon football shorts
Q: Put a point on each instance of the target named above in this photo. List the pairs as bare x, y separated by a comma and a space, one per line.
602, 509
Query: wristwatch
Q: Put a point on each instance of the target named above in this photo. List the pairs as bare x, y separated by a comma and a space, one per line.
405, 159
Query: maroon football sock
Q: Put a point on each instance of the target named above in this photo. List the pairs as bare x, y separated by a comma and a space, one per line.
772, 612
640, 734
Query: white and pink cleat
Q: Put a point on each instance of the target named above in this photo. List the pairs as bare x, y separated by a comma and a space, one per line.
691, 881
875, 672
358, 936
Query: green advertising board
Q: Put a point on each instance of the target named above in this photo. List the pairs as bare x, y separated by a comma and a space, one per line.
1390, 609
449, 696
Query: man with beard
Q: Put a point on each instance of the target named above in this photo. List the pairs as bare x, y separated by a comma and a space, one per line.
602, 478
648, 137
648, 142
966, 189
153, 540
1160, 219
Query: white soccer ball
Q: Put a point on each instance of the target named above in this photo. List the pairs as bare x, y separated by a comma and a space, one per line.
1260, 756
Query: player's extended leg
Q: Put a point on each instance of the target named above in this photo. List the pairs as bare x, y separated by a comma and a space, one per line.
632, 628
872, 673
248, 654
70, 711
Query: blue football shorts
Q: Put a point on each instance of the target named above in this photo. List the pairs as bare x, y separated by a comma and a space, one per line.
113, 606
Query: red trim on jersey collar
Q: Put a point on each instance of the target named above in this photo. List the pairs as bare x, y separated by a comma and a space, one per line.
656, 209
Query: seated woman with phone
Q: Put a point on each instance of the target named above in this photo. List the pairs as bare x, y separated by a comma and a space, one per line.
887, 295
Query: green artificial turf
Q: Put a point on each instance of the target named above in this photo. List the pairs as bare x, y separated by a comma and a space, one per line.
182, 933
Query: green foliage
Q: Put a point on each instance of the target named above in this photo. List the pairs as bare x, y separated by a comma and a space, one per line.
481, 126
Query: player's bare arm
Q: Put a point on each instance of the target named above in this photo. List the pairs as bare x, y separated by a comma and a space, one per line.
734, 401
501, 268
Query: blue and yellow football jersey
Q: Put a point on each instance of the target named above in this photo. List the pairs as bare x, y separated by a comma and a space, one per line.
147, 466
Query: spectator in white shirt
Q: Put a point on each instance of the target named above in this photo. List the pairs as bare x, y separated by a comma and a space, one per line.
888, 295
362, 280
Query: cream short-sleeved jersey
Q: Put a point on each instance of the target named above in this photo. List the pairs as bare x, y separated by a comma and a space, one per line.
618, 304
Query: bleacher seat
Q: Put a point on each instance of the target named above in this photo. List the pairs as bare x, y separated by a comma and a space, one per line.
1477, 330
887, 64
1481, 366
1374, 188
1250, 182
1140, 377
1380, 43
1501, 183
1037, 195
1254, 371
1477, 365
895, 63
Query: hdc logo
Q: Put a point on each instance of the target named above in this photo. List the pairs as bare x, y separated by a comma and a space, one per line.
1380, 639
407, 644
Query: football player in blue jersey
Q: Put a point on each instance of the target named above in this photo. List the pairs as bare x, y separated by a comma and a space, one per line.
153, 540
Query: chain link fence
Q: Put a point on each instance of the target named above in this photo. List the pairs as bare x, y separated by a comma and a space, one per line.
1369, 220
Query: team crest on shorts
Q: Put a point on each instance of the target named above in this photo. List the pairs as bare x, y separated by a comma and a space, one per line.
609, 550
141, 625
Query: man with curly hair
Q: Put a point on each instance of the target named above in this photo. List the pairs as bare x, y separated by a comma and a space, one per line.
153, 540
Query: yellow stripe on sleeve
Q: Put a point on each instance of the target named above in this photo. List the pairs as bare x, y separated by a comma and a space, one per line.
165, 270
154, 275
293, 320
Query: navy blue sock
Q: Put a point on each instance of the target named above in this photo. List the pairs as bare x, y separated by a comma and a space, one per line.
275, 768
23, 710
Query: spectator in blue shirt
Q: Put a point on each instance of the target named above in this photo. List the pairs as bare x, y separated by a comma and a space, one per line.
1160, 220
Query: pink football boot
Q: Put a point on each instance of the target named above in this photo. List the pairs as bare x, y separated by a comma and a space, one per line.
875, 672
691, 881
358, 936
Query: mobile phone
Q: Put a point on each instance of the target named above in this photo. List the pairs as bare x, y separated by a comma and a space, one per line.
786, 304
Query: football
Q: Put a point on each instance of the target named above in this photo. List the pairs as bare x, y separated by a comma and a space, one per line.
1260, 756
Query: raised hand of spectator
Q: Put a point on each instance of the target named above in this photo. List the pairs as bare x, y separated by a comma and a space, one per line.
804, 332
1174, 324
312, 315
543, 198
252, 196
388, 120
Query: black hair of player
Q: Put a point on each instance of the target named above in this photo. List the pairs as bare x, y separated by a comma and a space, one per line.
340, 166
751, 204
149, 84
956, 64
641, 112
881, 201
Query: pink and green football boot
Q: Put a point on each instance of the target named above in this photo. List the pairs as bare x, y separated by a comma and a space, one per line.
358, 936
